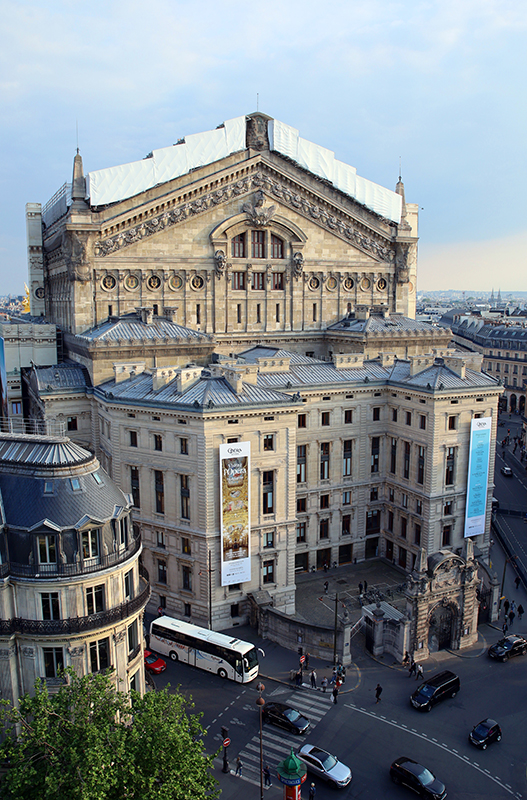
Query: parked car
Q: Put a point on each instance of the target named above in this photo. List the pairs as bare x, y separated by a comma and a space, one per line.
285, 717
507, 471
325, 765
153, 663
435, 689
418, 778
484, 733
512, 645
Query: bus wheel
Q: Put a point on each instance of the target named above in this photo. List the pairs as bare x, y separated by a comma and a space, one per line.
173, 655
222, 673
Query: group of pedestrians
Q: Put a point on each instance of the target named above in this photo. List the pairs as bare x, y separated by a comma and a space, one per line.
510, 610
413, 667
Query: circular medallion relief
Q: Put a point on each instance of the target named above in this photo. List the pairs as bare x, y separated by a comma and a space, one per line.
331, 283
313, 283
154, 282
410, 287
131, 282
365, 284
348, 284
39, 292
197, 282
175, 282
381, 284
108, 282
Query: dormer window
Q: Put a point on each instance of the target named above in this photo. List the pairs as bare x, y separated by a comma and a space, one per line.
75, 484
48, 487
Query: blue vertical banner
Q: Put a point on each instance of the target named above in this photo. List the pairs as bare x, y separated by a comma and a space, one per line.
478, 476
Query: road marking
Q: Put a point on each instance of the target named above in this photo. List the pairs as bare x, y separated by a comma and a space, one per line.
465, 759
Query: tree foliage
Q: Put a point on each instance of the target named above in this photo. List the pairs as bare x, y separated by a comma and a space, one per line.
91, 742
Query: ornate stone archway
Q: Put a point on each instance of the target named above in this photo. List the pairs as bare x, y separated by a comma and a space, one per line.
442, 601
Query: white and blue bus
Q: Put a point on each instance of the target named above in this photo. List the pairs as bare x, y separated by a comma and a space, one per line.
225, 655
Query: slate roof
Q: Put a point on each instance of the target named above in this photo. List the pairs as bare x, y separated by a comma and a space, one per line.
379, 324
61, 377
30, 451
131, 328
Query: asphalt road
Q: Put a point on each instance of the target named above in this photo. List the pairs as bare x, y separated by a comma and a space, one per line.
369, 736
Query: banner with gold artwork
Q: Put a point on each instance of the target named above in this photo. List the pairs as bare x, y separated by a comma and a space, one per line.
235, 513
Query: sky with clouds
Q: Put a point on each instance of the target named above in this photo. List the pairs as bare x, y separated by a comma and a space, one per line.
439, 85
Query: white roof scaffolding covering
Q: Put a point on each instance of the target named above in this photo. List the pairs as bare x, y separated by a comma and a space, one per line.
110, 185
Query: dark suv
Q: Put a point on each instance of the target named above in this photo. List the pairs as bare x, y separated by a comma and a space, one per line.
508, 647
418, 778
437, 688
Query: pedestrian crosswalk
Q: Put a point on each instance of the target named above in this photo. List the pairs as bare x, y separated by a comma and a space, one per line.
277, 744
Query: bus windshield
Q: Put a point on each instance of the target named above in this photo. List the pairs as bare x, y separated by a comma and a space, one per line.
250, 660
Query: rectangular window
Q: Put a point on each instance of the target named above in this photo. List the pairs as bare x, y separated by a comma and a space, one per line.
160, 491
161, 539
373, 522
128, 584
404, 500
406, 460
408, 417
268, 442
158, 442
187, 609
259, 281
238, 246
452, 423
278, 280
99, 655
348, 416
161, 571
258, 313
53, 661
133, 438
447, 535
258, 244
346, 524
238, 313
324, 461
394, 415
133, 640
324, 529
324, 501
72, 423
402, 557
50, 605
422, 422
94, 599
134, 485
419, 507
277, 247
404, 527
238, 280
420, 465
268, 571
301, 463
186, 574
302, 421
277, 312
390, 521
325, 420
347, 457
16, 408
450, 464
47, 551
393, 457
185, 546
391, 495
184, 483
268, 491
90, 543
198, 314
314, 312
376, 414
183, 446
301, 505
417, 534
346, 498
447, 509
301, 531
269, 539
375, 449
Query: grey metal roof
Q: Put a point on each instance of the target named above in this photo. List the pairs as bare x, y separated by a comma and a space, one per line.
62, 376
26, 450
250, 356
131, 328
377, 324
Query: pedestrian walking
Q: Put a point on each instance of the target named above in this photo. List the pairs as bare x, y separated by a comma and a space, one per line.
239, 767
365, 586
360, 588
333, 676
312, 791
419, 672
267, 775
324, 684
306, 662
517, 581
511, 618
326, 566
313, 677
505, 628
413, 668
159, 611
335, 694
299, 678
506, 606
343, 675
326, 587
406, 659
513, 606
520, 611
378, 692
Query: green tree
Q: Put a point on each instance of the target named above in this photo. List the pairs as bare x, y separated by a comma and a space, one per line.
90, 742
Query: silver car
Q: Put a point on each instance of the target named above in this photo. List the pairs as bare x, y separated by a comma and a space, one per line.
325, 765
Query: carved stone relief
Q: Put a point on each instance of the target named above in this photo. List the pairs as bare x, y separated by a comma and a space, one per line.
258, 216
74, 254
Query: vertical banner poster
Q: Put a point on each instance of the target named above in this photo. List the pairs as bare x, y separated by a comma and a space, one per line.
478, 476
3, 388
235, 513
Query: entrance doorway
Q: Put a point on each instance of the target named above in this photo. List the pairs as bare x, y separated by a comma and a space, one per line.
440, 629
323, 558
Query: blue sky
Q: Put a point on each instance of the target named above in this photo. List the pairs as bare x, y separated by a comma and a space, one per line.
439, 84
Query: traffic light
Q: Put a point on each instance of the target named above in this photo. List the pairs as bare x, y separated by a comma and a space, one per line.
300, 651
224, 732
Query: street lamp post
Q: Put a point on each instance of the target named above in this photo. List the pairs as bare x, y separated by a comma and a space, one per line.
512, 559
260, 702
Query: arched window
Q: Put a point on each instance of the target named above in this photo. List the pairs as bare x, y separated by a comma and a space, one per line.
238, 246
277, 247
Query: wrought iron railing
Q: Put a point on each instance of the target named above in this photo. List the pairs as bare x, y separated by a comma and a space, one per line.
72, 625
80, 568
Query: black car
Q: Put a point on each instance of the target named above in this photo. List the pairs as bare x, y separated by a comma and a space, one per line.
418, 778
285, 717
508, 647
484, 733
507, 471
435, 690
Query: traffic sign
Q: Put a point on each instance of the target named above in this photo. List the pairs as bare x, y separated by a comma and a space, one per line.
302, 659
226, 742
